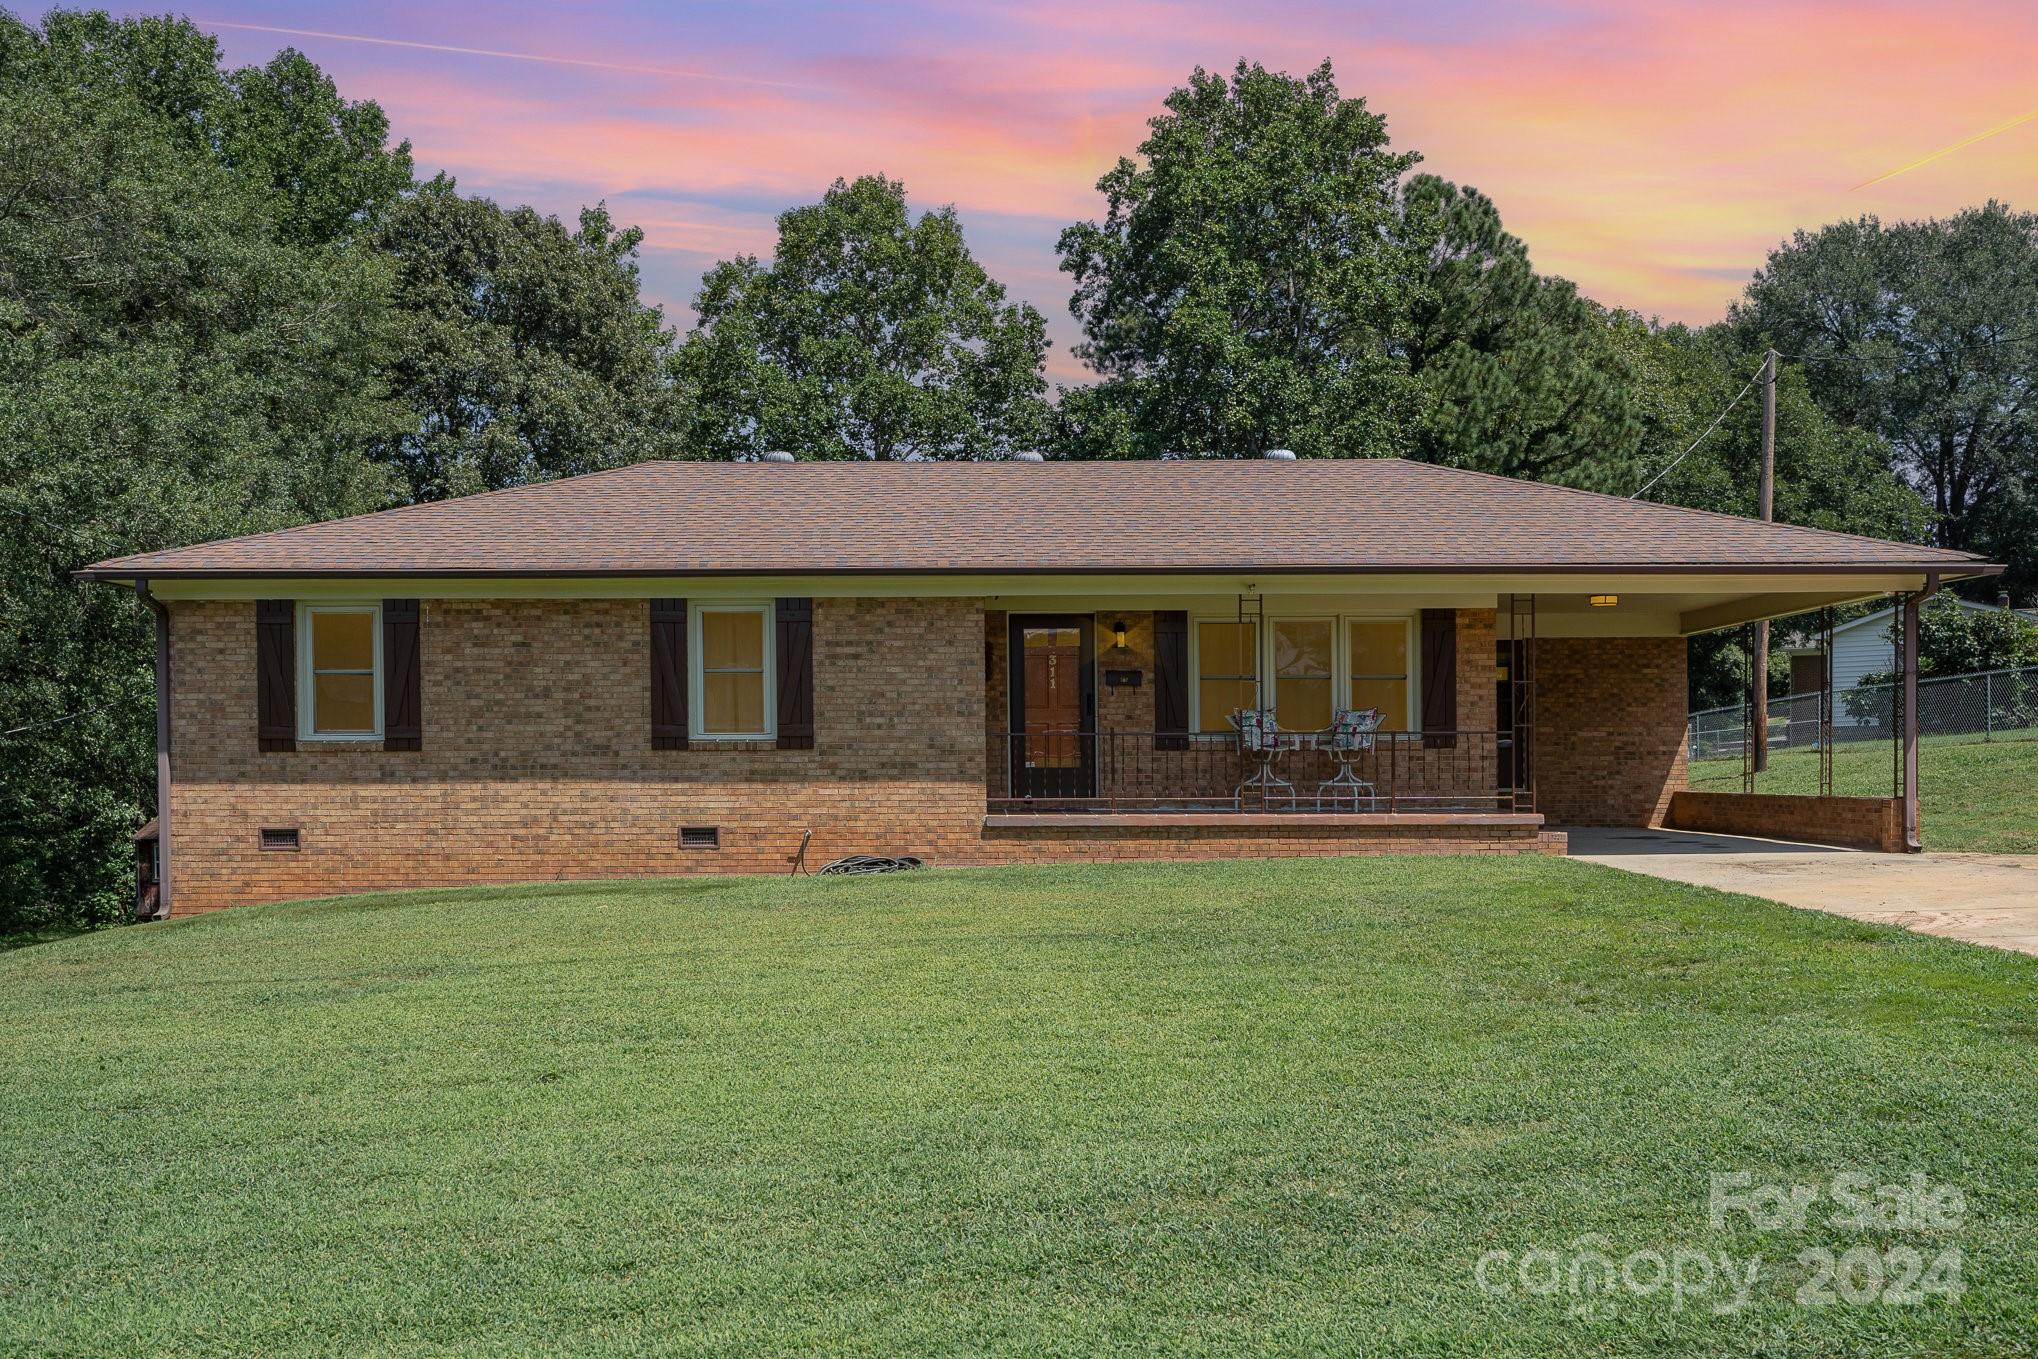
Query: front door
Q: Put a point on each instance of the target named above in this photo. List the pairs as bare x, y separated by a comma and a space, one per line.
1054, 707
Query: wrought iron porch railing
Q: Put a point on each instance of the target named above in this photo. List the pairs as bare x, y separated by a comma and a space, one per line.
1092, 771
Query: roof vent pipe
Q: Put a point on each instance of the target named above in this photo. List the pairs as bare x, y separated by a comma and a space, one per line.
1029, 455
1279, 455
776, 455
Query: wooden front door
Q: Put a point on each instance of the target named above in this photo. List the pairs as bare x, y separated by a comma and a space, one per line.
1054, 707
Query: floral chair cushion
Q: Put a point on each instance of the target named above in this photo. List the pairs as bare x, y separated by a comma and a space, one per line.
1256, 729
1353, 728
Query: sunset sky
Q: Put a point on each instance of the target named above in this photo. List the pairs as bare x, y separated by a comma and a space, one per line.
1654, 153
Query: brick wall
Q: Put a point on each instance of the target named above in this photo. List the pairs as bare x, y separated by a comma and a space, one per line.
1610, 718
537, 761
1875, 823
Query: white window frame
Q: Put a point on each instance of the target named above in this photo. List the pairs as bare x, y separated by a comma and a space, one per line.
307, 696
696, 670
1196, 622
1341, 663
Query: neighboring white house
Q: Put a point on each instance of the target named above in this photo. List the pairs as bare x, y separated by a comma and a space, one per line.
1861, 647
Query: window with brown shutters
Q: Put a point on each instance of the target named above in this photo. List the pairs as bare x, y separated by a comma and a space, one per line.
668, 674
795, 648
1171, 679
403, 683
1440, 677
276, 674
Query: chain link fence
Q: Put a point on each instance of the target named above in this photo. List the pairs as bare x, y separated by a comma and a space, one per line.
1988, 706
1994, 705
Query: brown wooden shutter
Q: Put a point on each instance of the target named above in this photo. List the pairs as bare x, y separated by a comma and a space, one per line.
795, 674
402, 677
668, 674
1440, 677
1171, 680
276, 673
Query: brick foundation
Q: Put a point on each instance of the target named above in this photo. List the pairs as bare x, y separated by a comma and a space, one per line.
1875, 823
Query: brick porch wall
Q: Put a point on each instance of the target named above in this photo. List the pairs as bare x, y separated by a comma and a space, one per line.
537, 761
1874, 823
1610, 721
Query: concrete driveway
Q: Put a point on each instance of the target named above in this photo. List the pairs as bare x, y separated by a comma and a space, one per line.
1983, 898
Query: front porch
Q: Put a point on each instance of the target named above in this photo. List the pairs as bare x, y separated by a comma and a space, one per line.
1110, 733
1118, 717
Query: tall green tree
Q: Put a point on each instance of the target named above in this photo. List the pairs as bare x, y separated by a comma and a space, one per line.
1927, 334
526, 351
1522, 376
175, 365
870, 334
1249, 285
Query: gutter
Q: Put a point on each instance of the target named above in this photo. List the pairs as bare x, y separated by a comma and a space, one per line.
1954, 570
163, 857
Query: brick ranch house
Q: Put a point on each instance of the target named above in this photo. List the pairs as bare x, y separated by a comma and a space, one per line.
685, 667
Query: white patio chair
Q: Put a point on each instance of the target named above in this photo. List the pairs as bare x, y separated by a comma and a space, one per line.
1259, 736
1351, 730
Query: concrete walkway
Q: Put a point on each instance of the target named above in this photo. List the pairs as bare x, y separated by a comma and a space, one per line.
1983, 898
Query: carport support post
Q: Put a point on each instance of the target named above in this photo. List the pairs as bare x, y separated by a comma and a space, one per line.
161, 616
1912, 604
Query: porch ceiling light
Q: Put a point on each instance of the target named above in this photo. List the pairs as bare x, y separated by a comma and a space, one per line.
1605, 601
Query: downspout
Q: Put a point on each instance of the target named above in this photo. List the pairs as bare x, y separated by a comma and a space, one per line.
163, 873
1912, 606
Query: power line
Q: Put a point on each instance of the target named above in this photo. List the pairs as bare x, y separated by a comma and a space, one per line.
53, 721
1755, 377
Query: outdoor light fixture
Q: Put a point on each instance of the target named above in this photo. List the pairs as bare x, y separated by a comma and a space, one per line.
1605, 601
1118, 633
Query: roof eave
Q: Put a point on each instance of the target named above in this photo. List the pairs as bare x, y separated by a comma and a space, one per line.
1946, 571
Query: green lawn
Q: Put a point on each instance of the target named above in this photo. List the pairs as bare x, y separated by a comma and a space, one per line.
1246, 1107
1972, 795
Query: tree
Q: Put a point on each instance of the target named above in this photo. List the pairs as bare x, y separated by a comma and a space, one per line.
526, 352
1249, 284
173, 367
869, 335
1523, 377
1927, 334
1828, 475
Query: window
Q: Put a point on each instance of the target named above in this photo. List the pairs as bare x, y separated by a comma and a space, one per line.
340, 671
1304, 691
1377, 660
731, 681
1225, 672
1313, 666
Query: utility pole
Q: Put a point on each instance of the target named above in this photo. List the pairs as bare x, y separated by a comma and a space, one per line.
1759, 664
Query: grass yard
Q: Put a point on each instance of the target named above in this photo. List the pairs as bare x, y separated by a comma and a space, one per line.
1225, 1108
1972, 795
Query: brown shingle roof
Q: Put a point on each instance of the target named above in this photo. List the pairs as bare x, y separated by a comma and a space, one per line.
678, 518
